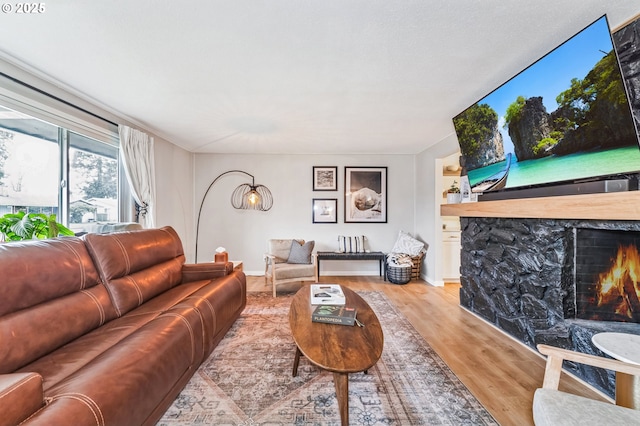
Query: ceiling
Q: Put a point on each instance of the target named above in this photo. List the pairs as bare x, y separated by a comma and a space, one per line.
293, 76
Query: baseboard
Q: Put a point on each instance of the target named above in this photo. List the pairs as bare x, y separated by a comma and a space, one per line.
434, 283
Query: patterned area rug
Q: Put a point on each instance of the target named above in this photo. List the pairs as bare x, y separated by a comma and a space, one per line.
247, 380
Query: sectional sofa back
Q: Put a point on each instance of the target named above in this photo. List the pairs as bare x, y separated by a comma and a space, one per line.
138, 265
49, 296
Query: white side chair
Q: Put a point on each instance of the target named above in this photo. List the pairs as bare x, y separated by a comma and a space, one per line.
284, 266
552, 407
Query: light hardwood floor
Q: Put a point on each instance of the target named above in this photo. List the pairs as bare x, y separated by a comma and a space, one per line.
501, 372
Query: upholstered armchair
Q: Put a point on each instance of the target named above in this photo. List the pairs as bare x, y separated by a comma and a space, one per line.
289, 260
552, 407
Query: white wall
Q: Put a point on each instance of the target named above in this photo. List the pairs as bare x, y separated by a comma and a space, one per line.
428, 221
245, 233
174, 191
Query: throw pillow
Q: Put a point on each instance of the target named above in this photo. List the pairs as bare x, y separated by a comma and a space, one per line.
351, 244
300, 253
407, 244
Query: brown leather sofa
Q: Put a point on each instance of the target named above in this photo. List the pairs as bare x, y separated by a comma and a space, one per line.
106, 329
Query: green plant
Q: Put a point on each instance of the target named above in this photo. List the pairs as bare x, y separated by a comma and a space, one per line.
23, 226
454, 189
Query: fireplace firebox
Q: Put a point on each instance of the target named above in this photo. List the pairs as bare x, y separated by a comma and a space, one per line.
607, 275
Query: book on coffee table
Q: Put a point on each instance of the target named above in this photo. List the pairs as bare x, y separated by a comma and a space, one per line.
331, 314
327, 294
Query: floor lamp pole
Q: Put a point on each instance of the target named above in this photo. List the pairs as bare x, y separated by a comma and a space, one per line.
205, 196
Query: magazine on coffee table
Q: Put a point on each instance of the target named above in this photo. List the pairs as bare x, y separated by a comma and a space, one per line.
327, 294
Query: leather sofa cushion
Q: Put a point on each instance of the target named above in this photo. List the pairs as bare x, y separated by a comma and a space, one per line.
30, 267
49, 296
48, 326
208, 300
125, 383
135, 266
21, 396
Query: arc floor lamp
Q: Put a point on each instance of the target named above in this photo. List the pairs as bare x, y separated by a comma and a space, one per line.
244, 197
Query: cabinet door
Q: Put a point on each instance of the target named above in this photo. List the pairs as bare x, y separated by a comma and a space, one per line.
451, 257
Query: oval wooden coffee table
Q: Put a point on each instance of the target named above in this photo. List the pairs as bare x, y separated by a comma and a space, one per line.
340, 349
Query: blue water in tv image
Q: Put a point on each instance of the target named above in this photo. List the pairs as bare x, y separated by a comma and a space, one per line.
563, 119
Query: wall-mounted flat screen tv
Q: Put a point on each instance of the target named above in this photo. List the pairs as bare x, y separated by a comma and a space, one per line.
564, 119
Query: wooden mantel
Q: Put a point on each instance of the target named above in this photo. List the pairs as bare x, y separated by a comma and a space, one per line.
607, 206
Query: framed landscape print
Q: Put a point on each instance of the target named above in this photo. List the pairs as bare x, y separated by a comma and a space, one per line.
365, 194
325, 210
325, 178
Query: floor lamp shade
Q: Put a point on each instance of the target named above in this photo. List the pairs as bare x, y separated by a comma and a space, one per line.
252, 197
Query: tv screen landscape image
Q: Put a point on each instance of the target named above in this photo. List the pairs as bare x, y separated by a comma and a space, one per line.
564, 119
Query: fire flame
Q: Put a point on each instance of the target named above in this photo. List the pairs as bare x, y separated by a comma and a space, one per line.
619, 287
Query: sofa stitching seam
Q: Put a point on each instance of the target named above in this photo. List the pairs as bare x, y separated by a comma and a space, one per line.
191, 336
83, 272
98, 305
88, 401
137, 289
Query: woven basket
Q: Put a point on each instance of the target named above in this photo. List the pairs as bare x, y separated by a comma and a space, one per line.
417, 265
399, 274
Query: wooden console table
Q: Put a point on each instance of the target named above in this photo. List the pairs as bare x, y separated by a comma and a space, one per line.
332, 255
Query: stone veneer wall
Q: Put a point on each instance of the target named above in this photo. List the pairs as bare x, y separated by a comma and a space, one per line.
518, 275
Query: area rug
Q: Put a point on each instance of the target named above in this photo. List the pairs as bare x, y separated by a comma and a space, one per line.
248, 381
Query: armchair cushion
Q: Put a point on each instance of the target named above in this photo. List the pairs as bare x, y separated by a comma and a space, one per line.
280, 249
555, 408
300, 253
288, 271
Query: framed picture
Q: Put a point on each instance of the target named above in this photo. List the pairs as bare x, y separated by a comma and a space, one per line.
325, 210
365, 194
325, 178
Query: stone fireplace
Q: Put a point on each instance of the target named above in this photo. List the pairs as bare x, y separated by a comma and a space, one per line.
522, 275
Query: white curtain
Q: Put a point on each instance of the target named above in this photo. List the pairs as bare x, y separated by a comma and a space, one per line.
136, 148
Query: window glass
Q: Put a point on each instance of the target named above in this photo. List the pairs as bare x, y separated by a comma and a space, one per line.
29, 164
93, 181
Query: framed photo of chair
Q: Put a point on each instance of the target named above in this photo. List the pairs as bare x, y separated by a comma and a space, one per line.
365, 194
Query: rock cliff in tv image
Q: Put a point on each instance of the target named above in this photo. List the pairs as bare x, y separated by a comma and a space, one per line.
479, 136
592, 114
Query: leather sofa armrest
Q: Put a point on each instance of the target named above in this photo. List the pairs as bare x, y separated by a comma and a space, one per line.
21, 395
205, 271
